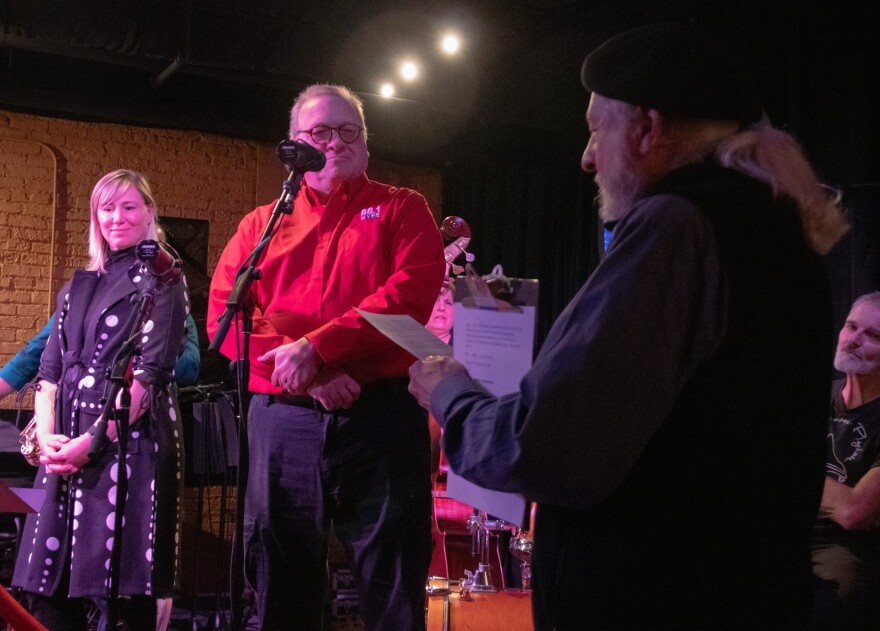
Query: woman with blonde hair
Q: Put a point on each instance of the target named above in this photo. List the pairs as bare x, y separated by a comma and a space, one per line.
65, 551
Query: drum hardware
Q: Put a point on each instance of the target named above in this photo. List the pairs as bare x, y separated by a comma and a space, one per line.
481, 529
442, 586
521, 547
504, 610
478, 581
473, 527
439, 586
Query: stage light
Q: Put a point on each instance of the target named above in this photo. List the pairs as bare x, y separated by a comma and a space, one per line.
387, 90
450, 44
408, 70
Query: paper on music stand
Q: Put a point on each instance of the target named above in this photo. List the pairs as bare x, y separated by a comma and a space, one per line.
18, 500
496, 345
404, 331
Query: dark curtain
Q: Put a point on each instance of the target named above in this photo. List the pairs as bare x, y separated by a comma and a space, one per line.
819, 62
534, 214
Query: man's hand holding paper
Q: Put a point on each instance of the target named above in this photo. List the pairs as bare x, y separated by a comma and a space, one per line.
426, 374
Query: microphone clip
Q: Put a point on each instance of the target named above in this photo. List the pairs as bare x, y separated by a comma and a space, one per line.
300, 156
160, 261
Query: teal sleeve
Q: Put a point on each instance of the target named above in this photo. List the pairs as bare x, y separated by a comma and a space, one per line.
23, 367
186, 371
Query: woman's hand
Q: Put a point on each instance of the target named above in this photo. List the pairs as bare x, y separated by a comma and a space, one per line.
69, 457
50, 443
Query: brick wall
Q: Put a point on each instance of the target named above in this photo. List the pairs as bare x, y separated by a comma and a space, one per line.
48, 167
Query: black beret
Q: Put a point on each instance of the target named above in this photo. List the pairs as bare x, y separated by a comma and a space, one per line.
676, 69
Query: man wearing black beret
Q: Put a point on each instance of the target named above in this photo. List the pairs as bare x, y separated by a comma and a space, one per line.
672, 426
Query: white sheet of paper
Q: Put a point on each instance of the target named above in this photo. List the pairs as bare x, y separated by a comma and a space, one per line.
408, 334
496, 346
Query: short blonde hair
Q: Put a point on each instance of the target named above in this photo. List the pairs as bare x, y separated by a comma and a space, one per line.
108, 188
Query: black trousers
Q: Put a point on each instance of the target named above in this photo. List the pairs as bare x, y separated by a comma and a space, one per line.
363, 471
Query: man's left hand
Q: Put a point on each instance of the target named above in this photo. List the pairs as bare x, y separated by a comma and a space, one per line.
296, 365
334, 389
426, 374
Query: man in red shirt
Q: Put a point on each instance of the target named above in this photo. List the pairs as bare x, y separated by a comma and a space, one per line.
334, 435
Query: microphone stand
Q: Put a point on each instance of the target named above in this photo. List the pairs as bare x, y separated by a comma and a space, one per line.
119, 383
244, 278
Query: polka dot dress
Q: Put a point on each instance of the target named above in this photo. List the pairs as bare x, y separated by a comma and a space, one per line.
74, 530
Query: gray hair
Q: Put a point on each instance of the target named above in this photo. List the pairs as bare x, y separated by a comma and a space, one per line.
775, 157
326, 89
766, 154
871, 298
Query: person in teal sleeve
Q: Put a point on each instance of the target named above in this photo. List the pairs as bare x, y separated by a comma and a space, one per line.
24, 365
186, 370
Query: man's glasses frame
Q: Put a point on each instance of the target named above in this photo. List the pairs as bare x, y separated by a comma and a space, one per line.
322, 134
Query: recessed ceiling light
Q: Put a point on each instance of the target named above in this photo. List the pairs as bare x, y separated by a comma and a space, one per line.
450, 44
409, 70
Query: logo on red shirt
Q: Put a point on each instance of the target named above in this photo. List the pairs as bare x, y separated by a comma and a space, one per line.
370, 213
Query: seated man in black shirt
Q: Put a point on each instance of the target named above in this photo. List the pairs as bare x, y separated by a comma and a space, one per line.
846, 546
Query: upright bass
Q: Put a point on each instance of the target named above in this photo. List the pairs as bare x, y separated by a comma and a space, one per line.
453, 524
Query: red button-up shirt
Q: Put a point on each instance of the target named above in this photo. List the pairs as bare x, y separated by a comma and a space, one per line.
373, 246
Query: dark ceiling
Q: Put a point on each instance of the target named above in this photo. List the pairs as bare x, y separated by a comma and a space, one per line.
504, 120
233, 66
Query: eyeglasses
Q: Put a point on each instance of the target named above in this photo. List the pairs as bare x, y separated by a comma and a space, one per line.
322, 134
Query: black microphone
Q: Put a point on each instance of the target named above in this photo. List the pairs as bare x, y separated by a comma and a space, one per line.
159, 262
300, 156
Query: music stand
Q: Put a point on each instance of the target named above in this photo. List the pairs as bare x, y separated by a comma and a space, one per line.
14, 500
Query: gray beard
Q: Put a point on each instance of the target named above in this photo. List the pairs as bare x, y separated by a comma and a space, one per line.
844, 362
617, 200
615, 208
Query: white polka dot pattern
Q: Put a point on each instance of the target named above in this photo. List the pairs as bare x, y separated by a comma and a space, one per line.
78, 515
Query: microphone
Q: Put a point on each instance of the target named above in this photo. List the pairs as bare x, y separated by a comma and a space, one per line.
299, 155
159, 262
